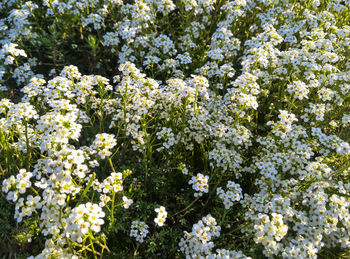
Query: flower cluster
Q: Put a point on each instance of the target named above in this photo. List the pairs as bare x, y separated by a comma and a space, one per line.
199, 184
270, 231
15, 186
161, 216
199, 241
139, 230
84, 218
112, 183
233, 194
103, 144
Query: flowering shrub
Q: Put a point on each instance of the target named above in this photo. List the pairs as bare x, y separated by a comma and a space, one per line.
125, 124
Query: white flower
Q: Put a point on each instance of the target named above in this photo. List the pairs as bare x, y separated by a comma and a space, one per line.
200, 184
127, 202
161, 216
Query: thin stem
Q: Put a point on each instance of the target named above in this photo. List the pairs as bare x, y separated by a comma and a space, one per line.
93, 249
189, 206
112, 208
111, 164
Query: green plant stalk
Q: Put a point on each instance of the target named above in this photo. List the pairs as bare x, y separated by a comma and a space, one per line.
35, 191
112, 209
111, 164
86, 189
223, 216
92, 245
144, 153
188, 207
103, 246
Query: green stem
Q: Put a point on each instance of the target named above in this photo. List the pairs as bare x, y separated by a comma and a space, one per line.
111, 164
86, 189
145, 165
93, 248
223, 216
189, 206
112, 208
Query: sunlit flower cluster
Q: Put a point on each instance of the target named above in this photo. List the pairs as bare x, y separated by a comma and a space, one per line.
270, 231
84, 218
103, 144
161, 216
199, 241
